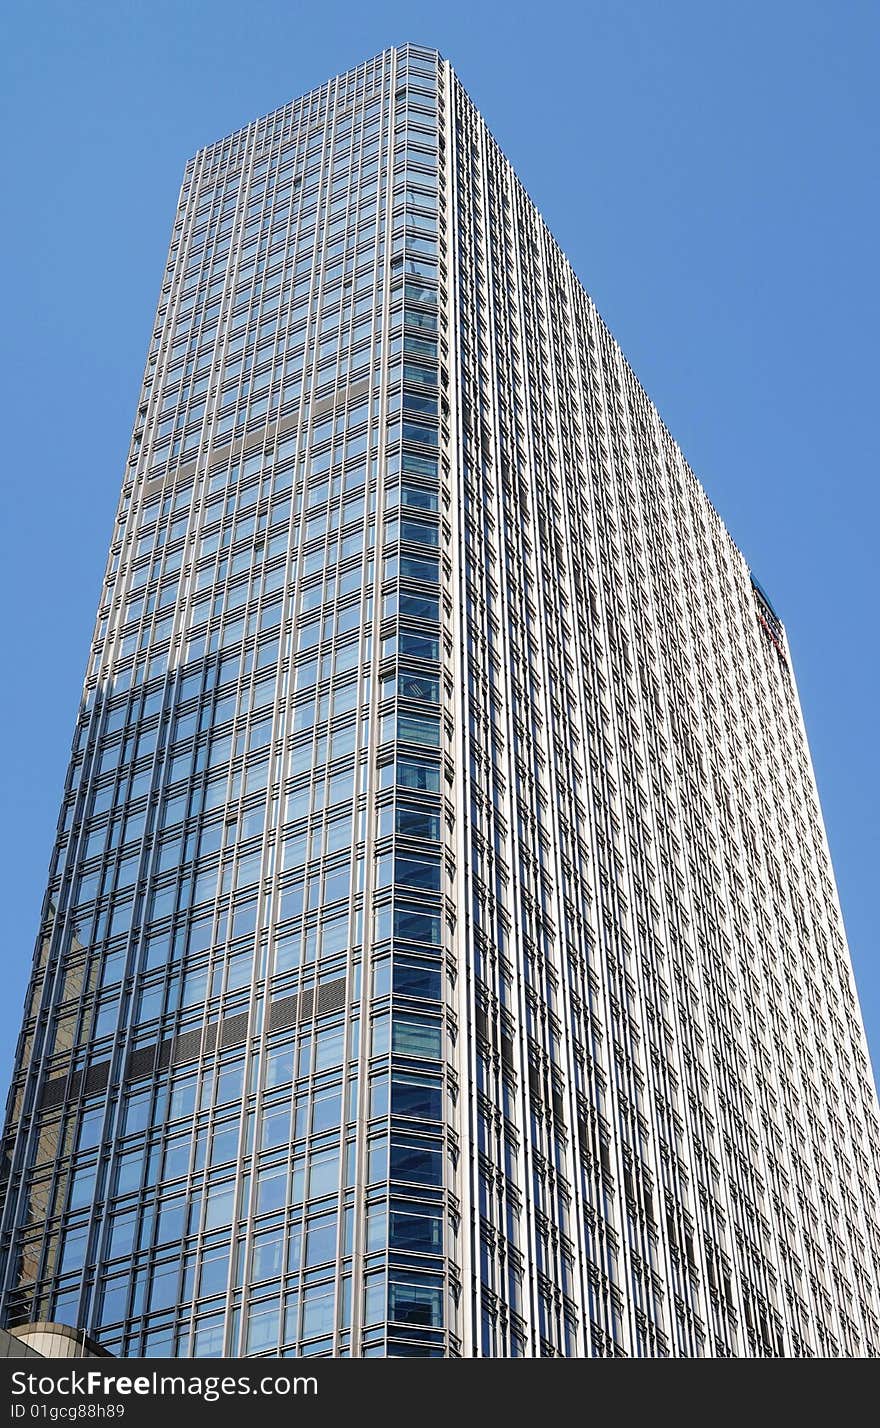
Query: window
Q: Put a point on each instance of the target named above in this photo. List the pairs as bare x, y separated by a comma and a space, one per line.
412, 684
321, 1239
416, 729
415, 925
262, 1327
419, 774
275, 1127
73, 1249
271, 1189
329, 1047
317, 1310
208, 1337
417, 1160
415, 978
326, 1109
415, 1232
418, 872
415, 1303
266, 1256
416, 1095
412, 1036
324, 1174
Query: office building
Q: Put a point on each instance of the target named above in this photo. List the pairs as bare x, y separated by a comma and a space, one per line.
441, 953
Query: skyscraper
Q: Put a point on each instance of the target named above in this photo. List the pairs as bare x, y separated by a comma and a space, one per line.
441, 954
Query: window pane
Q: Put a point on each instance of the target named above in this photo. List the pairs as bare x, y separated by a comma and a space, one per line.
417, 926
419, 1163
317, 1316
422, 1234
414, 730
417, 1038
324, 1174
321, 1240
414, 872
418, 774
262, 1329
329, 1048
415, 1304
420, 1097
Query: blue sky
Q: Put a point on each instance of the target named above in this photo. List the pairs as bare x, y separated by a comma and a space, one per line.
710, 170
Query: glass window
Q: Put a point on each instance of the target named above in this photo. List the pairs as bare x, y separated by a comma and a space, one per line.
417, 607
224, 1142
408, 643
324, 1173
414, 925
377, 1226
208, 1337
415, 1160
419, 402
171, 1220
339, 834
317, 1310
279, 1063
420, 1036
374, 1299
327, 1109
164, 1282
329, 1047
418, 1233
336, 884
416, 1095
321, 1239
425, 435
411, 821
377, 1159
415, 1304
420, 466
230, 1081
219, 1205
418, 729
262, 1328
114, 1300
413, 684
271, 1189
419, 532
122, 1230
414, 978
418, 872
73, 1249
214, 1271
419, 346
416, 374
267, 1255
183, 1096
137, 1112
418, 774
244, 918
275, 1128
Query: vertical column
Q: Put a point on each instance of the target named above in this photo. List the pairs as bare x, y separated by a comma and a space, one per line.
407, 1228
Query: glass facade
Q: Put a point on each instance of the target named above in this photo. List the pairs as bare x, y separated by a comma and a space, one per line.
441, 955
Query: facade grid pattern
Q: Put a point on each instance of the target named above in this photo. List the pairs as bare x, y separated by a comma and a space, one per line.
441, 954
